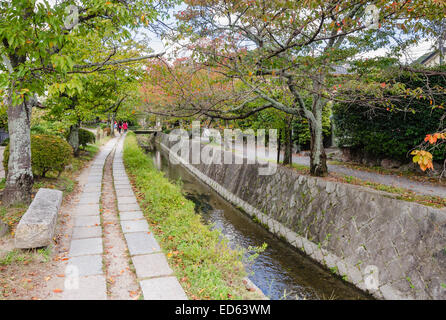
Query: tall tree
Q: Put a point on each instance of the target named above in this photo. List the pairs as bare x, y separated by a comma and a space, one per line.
38, 42
302, 45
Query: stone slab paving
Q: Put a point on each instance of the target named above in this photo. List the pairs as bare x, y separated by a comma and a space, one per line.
155, 276
86, 232
122, 187
82, 247
132, 215
127, 200
88, 265
151, 265
128, 207
124, 192
89, 200
89, 288
87, 210
141, 243
164, 288
86, 249
134, 226
90, 195
87, 221
92, 189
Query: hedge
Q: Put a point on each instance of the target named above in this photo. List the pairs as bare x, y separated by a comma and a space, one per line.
387, 133
48, 153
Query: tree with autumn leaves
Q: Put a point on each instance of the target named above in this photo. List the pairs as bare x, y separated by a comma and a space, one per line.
312, 51
423, 157
186, 89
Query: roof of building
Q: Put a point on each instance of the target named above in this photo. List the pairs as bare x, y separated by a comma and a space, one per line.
425, 57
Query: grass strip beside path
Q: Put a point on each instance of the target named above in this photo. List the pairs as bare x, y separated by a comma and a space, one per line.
200, 257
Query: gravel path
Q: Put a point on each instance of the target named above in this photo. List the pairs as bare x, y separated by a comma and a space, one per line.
121, 280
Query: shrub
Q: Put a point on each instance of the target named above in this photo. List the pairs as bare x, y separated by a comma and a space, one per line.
86, 137
55, 128
48, 153
386, 133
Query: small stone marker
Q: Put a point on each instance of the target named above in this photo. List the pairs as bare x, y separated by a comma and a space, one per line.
36, 228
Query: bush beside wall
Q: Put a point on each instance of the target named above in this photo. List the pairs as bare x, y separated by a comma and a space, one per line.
48, 153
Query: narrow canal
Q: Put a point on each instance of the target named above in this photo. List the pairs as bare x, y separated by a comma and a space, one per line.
281, 272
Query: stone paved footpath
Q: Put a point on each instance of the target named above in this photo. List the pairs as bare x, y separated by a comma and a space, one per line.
85, 265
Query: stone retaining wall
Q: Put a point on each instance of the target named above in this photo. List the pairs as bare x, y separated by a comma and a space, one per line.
390, 248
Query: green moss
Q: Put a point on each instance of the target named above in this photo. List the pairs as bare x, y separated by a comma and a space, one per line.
334, 269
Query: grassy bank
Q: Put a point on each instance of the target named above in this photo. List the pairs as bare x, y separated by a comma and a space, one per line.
201, 258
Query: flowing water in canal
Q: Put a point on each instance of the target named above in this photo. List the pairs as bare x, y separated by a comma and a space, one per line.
281, 272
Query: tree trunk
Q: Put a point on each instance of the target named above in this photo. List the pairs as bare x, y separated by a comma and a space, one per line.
278, 145
318, 160
19, 180
73, 139
287, 159
112, 126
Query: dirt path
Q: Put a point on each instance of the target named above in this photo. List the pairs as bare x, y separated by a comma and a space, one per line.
121, 280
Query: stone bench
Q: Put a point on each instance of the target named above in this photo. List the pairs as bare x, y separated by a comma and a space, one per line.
36, 228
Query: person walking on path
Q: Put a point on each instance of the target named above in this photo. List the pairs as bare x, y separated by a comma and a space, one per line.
125, 126
119, 127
